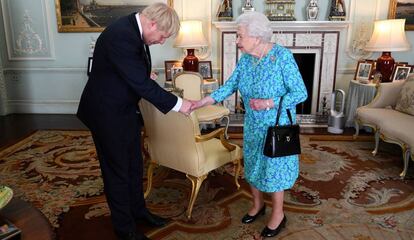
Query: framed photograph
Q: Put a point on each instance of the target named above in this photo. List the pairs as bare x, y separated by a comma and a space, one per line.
95, 15
175, 70
204, 68
401, 72
364, 70
402, 9
374, 66
90, 59
168, 68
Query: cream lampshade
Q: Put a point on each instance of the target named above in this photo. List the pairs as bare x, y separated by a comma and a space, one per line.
388, 36
190, 37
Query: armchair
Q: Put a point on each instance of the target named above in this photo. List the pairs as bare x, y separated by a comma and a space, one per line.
192, 84
174, 141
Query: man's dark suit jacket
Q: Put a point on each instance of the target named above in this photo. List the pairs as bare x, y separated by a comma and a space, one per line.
118, 80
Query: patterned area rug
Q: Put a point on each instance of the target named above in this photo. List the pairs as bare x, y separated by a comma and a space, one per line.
343, 192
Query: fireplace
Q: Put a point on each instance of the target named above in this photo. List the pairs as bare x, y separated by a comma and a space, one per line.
314, 45
306, 65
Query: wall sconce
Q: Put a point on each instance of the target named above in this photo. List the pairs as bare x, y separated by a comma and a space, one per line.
388, 36
190, 37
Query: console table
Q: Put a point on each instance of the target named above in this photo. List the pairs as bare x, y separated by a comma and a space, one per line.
28, 219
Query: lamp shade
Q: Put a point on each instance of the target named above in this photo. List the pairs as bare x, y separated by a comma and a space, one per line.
388, 36
190, 35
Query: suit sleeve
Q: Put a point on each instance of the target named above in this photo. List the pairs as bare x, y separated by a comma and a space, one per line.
126, 54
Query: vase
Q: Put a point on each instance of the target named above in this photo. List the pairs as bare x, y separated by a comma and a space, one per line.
312, 10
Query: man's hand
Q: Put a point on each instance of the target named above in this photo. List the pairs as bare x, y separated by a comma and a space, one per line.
186, 107
154, 75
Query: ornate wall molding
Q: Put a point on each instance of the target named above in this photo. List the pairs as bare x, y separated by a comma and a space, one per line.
27, 31
362, 15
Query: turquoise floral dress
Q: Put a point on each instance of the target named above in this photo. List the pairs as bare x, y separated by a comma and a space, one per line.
273, 76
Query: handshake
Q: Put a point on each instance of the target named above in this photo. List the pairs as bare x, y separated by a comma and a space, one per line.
190, 105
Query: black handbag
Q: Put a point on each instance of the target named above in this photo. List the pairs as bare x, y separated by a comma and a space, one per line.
282, 141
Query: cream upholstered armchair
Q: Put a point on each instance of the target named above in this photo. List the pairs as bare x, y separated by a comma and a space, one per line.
173, 140
192, 85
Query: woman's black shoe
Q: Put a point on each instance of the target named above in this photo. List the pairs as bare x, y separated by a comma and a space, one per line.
249, 219
267, 232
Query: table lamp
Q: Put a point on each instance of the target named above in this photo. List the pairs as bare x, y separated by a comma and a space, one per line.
388, 36
190, 37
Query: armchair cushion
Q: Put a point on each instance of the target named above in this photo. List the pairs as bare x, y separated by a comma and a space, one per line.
405, 102
211, 112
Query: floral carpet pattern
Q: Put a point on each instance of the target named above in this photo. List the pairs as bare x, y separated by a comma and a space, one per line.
343, 192
52, 170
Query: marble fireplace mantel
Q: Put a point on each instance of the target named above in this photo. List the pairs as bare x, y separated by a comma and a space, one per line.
292, 25
317, 37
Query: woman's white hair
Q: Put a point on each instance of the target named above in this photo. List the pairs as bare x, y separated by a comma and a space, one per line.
256, 24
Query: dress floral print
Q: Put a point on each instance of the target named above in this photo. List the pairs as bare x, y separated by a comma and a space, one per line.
272, 76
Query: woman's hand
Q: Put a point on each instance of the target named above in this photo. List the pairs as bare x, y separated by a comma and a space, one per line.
201, 103
261, 104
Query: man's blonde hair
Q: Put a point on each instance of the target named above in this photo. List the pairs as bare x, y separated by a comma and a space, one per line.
166, 18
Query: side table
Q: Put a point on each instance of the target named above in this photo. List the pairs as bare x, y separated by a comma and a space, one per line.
28, 219
359, 94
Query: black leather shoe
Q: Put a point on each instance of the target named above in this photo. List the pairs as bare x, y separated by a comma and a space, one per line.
249, 219
267, 232
153, 220
131, 236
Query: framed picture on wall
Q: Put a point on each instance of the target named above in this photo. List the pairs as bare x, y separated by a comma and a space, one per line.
401, 72
402, 9
95, 15
204, 68
171, 67
364, 70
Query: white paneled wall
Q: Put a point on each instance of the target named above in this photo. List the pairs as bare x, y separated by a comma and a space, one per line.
54, 84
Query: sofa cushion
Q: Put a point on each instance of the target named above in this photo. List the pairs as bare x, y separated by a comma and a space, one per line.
399, 127
405, 102
375, 116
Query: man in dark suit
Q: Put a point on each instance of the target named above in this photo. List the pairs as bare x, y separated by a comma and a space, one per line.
120, 77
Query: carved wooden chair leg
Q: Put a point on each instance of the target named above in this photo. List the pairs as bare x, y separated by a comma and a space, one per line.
196, 184
406, 158
237, 164
356, 129
377, 138
150, 171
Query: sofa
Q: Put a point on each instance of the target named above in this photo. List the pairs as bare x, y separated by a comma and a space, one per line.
391, 115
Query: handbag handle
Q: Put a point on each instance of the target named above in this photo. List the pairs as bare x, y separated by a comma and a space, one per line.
279, 111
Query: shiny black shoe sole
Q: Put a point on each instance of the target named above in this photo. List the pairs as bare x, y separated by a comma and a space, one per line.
249, 219
267, 232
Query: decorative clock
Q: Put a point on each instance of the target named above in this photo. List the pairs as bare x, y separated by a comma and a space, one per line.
280, 10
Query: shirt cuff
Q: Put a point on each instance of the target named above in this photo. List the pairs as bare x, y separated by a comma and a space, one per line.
177, 106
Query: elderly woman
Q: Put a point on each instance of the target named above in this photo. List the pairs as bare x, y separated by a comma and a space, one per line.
265, 72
